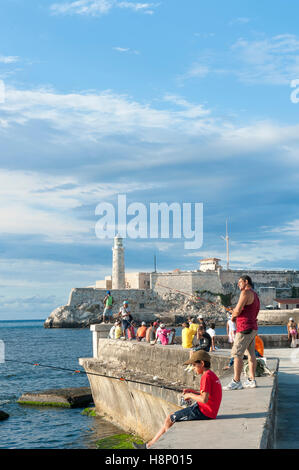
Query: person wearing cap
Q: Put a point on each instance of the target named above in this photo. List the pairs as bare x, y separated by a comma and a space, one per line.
141, 332
206, 401
125, 315
108, 301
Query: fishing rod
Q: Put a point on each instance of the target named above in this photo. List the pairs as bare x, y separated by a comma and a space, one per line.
122, 379
197, 297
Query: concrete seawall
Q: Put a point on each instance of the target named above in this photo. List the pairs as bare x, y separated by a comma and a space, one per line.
140, 407
140, 403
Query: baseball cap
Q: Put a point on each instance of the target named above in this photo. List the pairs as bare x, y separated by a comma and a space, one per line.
200, 316
125, 302
162, 325
291, 319
200, 355
143, 323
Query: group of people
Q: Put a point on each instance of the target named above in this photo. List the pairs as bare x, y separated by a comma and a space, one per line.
208, 398
196, 336
125, 327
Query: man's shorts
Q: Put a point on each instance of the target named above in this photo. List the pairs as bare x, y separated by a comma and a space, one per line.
242, 343
107, 312
190, 413
125, 324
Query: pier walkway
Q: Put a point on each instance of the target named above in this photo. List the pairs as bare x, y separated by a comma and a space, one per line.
287, 424
243, 412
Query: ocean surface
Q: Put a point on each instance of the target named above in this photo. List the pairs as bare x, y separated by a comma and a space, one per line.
46, 427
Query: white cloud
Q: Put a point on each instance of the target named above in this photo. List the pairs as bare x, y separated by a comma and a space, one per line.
290, 228
100, 7
35, 204
126, 49
8, 59
272, 60
239, 21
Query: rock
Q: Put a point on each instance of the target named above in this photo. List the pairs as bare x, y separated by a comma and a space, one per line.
65, 397
3, 415
86, 307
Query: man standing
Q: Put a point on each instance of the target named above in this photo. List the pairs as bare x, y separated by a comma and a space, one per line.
108, 301
125, 315
245, 316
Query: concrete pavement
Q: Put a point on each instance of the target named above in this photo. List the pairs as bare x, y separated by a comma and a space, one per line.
245, 419
287, 424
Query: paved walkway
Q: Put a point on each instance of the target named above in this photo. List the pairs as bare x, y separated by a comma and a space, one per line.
288, 392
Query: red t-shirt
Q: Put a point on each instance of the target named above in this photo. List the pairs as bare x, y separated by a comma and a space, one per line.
210, 384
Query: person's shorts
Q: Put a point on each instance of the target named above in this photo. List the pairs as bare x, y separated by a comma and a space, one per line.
242, 343
190, 413
107, 312
125, 324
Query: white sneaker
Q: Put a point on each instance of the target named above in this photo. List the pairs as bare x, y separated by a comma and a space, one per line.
233, 386
249, 384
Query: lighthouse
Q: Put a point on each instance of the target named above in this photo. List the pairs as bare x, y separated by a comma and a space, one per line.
118, 264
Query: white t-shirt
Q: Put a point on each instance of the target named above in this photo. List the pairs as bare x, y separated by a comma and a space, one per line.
112, 332
211, 332
125, 312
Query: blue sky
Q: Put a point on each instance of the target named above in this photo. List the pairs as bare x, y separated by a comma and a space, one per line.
164, 101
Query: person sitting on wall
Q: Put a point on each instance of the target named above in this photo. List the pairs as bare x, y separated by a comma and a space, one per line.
292, 332
141, 332
152, 333
163, 334
207, 399
131, 329
211, 331
204, 343
204, 339
148, 332
187, 335
201, 321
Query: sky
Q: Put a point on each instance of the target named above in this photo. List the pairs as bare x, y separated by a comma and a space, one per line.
164, 102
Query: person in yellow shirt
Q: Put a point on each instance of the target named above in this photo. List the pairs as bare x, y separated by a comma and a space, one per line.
193, 326
187, 335
118, 330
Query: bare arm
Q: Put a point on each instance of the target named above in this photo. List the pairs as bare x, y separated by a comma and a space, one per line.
202, 397
241, 304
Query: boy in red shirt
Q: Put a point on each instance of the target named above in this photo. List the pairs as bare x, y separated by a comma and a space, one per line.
207, 400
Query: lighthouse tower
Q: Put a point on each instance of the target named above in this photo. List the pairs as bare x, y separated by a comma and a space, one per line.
118, 264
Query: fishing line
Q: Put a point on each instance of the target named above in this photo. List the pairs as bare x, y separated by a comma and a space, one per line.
197, 297
122, 379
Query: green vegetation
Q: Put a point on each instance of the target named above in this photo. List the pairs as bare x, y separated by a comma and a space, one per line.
226, 299
118, 441
89, 412
44, 403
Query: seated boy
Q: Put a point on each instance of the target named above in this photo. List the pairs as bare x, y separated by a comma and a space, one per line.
207, 399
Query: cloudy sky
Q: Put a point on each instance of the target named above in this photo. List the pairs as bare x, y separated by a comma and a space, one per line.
167, 101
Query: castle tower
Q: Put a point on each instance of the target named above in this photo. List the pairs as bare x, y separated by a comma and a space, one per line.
118, 264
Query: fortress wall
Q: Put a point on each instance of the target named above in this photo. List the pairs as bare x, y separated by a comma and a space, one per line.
177, 281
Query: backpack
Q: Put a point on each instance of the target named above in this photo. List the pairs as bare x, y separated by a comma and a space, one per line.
260, 368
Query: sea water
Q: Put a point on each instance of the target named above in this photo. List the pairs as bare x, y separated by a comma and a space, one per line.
33, 427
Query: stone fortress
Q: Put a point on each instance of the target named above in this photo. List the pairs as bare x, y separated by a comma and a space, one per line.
172, 295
